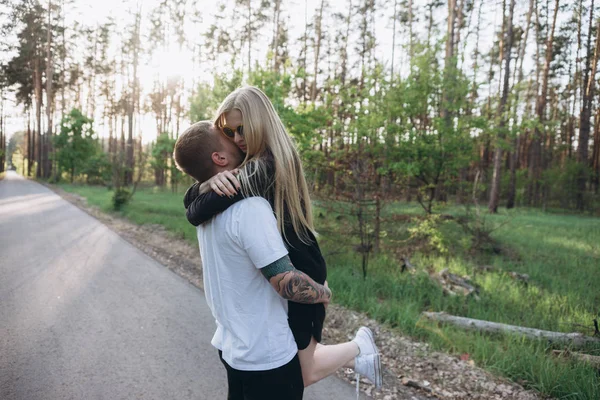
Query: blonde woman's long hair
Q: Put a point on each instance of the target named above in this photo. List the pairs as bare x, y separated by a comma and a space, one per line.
264, 132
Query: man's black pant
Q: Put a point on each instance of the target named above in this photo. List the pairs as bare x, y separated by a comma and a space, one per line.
280, 383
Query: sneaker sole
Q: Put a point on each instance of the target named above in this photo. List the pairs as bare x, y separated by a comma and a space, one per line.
378, 375
371, 338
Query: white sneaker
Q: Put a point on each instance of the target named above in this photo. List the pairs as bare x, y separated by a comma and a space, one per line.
365, 341
369, 366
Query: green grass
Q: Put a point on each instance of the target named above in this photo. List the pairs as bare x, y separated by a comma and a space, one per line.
561, 254
148, 206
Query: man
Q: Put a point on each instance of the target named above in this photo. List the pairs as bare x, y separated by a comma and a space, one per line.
240, 248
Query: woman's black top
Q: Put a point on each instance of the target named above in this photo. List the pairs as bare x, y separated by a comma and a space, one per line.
305, 320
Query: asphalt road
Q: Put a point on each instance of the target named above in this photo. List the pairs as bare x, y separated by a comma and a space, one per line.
85, 315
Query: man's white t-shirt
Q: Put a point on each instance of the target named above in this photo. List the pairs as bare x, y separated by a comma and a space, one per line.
252, 326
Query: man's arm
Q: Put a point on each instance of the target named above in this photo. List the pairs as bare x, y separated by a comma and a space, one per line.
294, 285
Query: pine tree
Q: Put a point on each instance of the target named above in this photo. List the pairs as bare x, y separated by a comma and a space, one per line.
502, 112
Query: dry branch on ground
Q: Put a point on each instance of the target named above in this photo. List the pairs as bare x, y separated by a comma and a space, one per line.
576, 340
594, 361
453, 284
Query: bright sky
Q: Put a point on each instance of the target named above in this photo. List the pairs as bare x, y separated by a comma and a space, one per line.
168, 62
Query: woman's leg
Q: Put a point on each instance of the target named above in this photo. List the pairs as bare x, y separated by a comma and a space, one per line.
319, 361
349, 364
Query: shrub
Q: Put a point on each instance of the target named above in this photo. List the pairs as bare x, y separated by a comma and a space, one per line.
120, 198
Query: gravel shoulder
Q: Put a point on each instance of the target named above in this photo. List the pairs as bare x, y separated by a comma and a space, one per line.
411, 369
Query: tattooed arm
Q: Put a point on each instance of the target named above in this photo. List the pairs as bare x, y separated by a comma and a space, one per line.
295, 285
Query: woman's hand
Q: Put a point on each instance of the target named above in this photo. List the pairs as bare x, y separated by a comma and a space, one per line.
327, 286
224, 184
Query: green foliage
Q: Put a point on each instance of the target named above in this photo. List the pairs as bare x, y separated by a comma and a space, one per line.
161, 149
160, 156
561, 182
428, 149
428, 229
305, 122
120, 198
208, 97
75, 146
98, 169
16, 151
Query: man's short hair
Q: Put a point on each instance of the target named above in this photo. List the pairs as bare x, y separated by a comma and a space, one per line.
193, 150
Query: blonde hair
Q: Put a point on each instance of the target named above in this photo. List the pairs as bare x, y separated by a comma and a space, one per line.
264, 132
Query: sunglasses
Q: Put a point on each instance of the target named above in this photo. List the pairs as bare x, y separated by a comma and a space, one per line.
230, 132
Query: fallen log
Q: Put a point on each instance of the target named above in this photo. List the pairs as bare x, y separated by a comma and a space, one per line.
573, 339
458, 281
453, 284
594, 361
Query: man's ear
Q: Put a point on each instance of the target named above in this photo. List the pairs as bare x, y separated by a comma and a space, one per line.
219, 159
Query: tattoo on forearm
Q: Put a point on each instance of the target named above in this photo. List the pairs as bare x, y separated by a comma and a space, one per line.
295, 285
300, 288
282, 265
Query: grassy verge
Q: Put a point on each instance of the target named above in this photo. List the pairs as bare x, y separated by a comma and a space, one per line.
149, 206
560, 253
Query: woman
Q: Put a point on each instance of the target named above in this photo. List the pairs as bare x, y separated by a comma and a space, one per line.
272, 169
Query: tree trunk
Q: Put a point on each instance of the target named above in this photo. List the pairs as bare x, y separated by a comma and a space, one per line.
2, 133
110, 135
377, 228
460, 19
596, 154
395, 17
49, 94
474, 87
495, 190
275, 42
535, 156
63, 101
30, 143
133, 102
90, 104
449, 61
37, 72
575, 88
411, 42
249, 32
516, 149
586, 112
513, 158
344, 55
430, 25
365, 46
319, 36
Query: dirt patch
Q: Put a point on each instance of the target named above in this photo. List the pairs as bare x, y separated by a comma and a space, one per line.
411, 369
